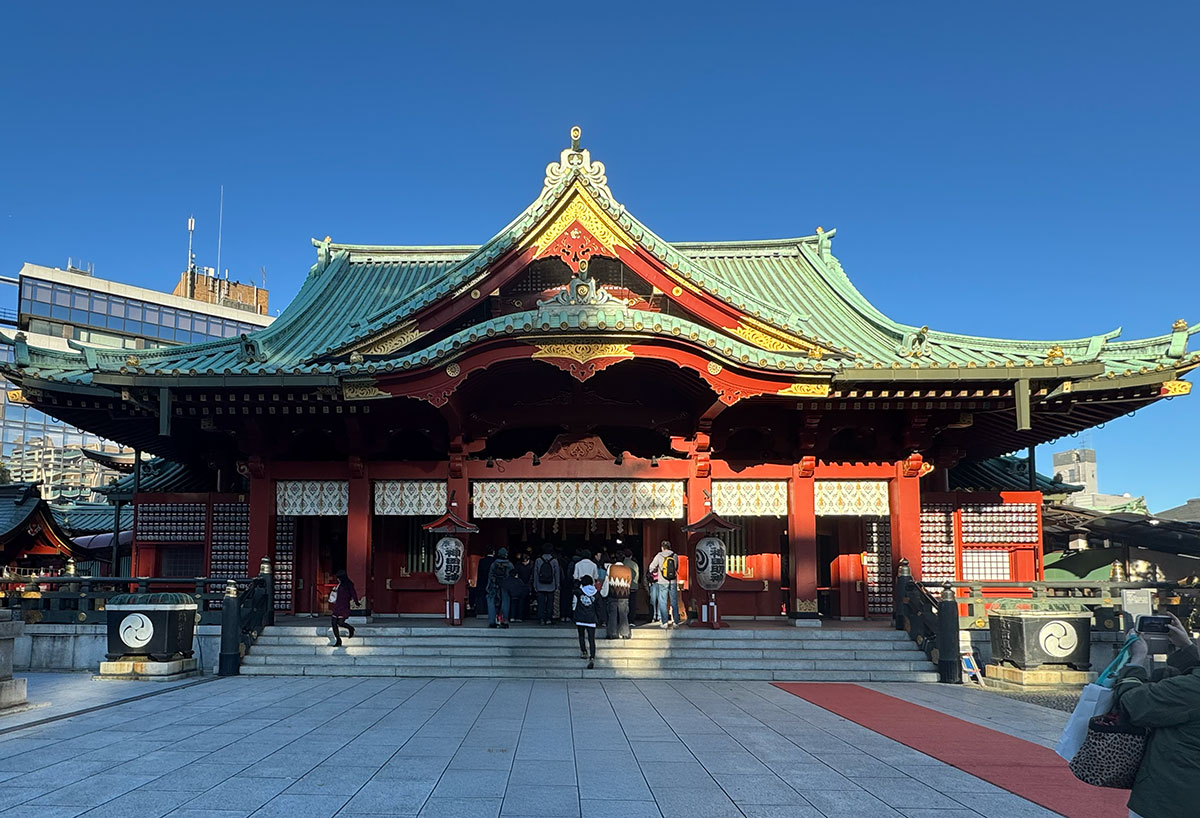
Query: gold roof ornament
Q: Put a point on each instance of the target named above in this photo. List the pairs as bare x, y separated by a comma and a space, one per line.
1180, 326
579, 161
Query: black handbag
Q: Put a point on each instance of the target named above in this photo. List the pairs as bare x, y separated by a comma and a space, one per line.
1112, 752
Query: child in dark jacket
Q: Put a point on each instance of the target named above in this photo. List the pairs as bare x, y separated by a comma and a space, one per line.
586, 604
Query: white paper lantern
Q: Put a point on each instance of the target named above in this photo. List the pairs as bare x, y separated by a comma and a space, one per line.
448, 560
710, 563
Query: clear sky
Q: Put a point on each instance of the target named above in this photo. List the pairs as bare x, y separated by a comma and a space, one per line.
1015, 169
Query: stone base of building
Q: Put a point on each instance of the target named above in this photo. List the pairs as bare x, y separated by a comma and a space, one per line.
148, 671
1013, 678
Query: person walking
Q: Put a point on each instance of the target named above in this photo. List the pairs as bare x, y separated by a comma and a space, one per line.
635, 572
498, 597
1166, 780
547, 579
586, 602
666, 566
616, 587
339, 606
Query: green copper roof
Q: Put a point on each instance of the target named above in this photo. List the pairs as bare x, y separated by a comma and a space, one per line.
1006, 473
355, 292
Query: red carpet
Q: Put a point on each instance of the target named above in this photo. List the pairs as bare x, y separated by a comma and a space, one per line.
1021, 767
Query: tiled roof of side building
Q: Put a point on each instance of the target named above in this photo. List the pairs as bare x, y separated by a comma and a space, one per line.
1006, 473
17, 502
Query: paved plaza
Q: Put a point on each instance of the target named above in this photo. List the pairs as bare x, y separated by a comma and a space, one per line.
316, 747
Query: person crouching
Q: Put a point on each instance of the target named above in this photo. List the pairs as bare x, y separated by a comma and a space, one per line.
586, 605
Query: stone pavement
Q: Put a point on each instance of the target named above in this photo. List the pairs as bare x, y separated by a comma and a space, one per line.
55, 694
301, 747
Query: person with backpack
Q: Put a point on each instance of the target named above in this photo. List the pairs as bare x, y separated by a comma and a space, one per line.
547, 579
586, 603
615, 588
498, 597
339, 606
666, 566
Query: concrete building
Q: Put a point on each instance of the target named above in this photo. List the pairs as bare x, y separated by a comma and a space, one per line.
1079, 467
67, 309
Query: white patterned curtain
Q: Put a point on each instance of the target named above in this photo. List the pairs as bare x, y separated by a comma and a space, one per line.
852, 498
410, 498
750, 498
312, 498
582, 499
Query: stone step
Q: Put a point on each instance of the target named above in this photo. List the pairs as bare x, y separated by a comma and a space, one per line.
797, 654
521, 643
690, 674
728, 662
321, 626
623, 648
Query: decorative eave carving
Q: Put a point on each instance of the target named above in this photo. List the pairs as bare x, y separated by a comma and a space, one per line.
582, 290
362, 390
388, 341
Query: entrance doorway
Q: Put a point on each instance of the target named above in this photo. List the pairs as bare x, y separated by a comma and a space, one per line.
853, 566
320, 554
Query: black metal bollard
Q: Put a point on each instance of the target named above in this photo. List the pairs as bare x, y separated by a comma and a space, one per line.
230, 660
903, 578
268, 577
949, 662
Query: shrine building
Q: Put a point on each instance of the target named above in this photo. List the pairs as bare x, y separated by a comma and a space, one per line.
577, 379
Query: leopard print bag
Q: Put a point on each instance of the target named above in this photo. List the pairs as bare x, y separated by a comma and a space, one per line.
1111, 753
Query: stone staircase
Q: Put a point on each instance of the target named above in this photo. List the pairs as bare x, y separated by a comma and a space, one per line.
872, 653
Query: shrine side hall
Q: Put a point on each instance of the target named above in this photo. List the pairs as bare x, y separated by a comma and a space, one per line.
577, 379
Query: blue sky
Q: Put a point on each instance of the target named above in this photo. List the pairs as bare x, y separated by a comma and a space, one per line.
1017, 169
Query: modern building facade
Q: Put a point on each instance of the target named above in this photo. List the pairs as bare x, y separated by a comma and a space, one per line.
69, 309
579, 380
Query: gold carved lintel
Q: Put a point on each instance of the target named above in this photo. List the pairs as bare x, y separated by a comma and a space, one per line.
582, 353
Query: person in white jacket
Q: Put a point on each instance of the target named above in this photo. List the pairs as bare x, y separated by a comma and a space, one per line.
666, 566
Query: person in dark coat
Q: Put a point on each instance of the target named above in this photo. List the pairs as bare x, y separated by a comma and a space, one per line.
1166, 780
498, 596
339, 606
482, 572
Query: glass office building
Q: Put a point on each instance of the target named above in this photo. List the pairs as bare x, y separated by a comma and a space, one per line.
56, 306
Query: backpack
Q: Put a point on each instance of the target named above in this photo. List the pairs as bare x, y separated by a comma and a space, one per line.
545, 575
501, 569
670, 568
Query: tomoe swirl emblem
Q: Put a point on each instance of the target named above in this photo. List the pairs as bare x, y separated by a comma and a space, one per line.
136, 630
1057, 639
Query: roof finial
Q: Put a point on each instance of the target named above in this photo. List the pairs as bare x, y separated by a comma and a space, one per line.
576, 161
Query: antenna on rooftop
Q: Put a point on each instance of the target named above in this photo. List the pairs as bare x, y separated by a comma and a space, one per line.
220, 224
263, 270
191, 263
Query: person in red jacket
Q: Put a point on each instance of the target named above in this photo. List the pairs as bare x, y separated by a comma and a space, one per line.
339, 606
